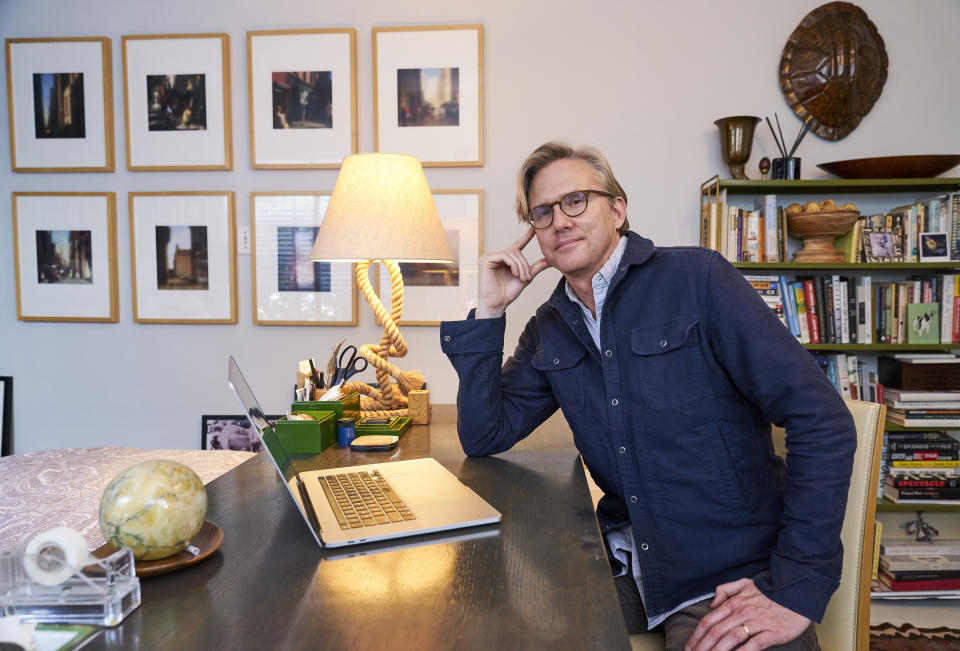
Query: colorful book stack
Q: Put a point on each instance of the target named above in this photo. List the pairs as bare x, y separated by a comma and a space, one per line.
909, 565
920, 468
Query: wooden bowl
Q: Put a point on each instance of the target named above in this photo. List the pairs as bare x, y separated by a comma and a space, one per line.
818, 230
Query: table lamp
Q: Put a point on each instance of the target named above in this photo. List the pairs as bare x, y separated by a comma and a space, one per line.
382, 211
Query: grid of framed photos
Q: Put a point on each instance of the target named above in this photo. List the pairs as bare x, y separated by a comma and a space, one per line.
60, 100
289, 289
302, 102
183, 257
65, 253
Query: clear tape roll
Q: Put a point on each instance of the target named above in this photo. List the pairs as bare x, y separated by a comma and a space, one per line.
54, 556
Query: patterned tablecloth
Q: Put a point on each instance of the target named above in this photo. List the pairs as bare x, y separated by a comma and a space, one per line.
42, 490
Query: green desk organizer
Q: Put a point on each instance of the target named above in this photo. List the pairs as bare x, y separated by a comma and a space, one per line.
348, 407
397, 427
307, 436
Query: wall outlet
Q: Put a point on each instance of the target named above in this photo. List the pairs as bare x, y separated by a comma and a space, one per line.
243, 240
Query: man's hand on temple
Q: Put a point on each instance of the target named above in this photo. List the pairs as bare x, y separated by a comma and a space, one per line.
744, 618
503, 275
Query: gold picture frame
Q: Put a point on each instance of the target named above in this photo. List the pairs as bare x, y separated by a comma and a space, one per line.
193, 284
65, 256
79, 138
436, 292
301, 83
177, 121
289, 221
428, 93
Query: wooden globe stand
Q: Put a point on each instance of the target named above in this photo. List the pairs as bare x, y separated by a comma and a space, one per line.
819, 230
391, 398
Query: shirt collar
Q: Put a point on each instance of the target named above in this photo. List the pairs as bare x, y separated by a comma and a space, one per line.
603, 277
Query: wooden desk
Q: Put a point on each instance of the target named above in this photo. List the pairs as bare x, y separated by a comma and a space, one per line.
537, 580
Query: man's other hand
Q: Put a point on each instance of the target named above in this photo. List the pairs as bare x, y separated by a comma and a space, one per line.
743, 618
503, 275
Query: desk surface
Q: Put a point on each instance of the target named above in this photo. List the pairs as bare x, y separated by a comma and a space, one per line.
539, 579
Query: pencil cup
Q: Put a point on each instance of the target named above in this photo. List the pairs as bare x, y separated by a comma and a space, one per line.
787, 169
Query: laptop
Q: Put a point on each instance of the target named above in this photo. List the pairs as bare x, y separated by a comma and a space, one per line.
378, 501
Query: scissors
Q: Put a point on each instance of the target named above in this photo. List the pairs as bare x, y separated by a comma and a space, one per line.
343, 371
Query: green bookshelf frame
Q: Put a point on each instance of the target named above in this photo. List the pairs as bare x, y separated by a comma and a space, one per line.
845, 186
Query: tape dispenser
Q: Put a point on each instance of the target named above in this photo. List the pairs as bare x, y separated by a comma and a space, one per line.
54, 578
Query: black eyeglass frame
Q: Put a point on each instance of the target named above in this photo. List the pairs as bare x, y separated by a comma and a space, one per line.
586, 201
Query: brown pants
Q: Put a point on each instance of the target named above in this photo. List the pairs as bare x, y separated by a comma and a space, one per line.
679, 626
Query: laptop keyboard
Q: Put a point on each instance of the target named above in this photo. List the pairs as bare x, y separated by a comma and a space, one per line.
363, 499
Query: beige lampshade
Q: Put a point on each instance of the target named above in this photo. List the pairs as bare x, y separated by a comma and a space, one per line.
381, 208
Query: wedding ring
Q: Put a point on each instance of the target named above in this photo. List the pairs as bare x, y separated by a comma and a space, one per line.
746, 629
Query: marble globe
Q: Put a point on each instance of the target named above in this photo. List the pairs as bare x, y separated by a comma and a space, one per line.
154, 507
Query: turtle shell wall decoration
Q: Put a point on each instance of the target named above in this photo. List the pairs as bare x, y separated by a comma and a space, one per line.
833, 69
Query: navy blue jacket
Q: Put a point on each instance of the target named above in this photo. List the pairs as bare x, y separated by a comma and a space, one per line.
672, 417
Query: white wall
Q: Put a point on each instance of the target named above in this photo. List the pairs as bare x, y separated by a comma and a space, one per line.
642, 80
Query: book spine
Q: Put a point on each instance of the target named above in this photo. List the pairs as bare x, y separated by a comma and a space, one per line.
852, 377
912, 548
867, 310
843, 375
850, 293
771, 240
923, 575
811, 300
924, 446
790, 307
824, 288
946, 309
910, 586
933, 494
877, 537
952, 463
803, 318
927, 481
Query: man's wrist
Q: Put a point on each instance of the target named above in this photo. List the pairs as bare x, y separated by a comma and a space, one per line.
488, 312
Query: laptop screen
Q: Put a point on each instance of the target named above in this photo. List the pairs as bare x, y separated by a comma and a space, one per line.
270, 441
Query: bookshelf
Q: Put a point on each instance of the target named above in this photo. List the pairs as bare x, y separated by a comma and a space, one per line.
872, 196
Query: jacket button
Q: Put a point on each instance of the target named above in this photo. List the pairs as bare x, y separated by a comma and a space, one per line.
556, 361
609, 353
614, 402
663, 343
446, 338
644, 546
633, 499
623, 450
623, 268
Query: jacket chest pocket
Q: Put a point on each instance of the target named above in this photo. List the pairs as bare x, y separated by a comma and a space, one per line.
670, 368
564, 370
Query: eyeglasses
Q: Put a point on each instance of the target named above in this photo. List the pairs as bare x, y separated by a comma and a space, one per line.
572, 205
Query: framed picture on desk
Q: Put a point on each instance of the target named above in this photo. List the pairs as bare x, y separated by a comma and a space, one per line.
231, 432
6, 415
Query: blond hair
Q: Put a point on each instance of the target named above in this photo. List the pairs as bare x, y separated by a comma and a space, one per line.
556, 150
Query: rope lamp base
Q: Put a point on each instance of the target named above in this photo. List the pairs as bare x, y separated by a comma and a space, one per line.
391, 398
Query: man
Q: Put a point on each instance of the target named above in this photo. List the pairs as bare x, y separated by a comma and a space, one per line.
669, 369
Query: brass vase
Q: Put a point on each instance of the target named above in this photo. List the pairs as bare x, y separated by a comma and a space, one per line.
736, 141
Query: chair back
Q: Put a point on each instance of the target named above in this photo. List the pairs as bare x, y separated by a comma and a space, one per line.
846, 622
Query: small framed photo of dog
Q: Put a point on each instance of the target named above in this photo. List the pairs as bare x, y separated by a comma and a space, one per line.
934, 247
923, 323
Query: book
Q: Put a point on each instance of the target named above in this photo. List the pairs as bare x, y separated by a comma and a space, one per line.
865, 297
923, 575
940, 547
946, 309
954, 226
767, 205
923, 323
811, 303
803, 319
790, 307
924, 480
920, 563
924, 455
904, 586
894, 393
906, 496
753, 252
877, 537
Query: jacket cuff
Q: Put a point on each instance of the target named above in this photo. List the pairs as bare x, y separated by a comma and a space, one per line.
796, 587
473, 335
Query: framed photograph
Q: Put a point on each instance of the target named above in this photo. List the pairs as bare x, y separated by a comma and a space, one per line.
6, 416
231, 433
428, 93
435, 292
65, 256
183, 257
288, 289
881, 244
302, 87
934, 247
177, 102
60, 101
